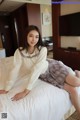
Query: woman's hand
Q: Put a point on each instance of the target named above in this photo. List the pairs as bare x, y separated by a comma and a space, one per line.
20, 95
3, 92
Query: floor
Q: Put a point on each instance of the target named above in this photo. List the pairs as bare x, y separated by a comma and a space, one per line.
74, 116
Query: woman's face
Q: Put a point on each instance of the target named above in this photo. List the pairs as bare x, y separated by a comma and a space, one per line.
32, 38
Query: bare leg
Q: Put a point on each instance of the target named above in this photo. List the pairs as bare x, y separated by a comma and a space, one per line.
77, 73
73, 80
73, 96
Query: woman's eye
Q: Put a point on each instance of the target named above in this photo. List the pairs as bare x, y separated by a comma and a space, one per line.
30, 36
37, 37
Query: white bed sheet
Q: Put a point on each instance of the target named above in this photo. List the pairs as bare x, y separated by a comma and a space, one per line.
45, 101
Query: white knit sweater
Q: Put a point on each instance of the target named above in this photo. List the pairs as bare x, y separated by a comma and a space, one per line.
33, 67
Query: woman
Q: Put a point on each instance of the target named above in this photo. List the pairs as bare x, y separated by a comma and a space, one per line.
62, 76
32, 57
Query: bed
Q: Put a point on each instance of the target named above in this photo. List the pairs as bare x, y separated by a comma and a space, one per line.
44, 102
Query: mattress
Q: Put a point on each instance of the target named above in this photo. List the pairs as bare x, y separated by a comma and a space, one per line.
44, 102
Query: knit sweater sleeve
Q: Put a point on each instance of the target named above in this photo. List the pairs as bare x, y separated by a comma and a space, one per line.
40, 66
14, 73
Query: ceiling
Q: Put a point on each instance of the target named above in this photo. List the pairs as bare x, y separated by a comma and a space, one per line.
11, 5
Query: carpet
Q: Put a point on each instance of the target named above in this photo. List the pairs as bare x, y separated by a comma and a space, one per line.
74, 116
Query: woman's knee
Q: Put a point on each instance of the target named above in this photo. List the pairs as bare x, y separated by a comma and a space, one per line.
77, 72
70, 89
73, 80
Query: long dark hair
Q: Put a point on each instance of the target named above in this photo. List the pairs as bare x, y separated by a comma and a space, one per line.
25, 44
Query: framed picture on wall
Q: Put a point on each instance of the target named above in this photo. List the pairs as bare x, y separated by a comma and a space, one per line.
46, 18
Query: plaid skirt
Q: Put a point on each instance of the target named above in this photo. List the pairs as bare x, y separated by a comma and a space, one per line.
56, 73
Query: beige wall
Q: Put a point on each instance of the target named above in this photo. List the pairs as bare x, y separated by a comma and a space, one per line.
69, 8
46, 27
67, 41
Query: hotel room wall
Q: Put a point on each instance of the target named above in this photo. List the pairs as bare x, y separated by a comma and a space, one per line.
46, 28
70, 41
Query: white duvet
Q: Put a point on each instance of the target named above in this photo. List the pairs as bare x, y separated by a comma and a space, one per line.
45, 102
